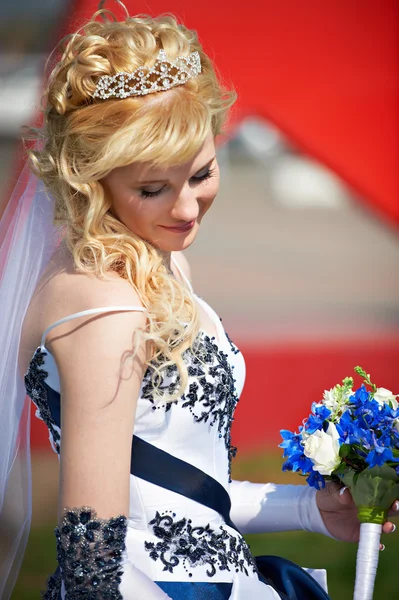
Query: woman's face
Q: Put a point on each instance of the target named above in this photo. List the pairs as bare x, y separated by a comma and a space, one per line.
165, 206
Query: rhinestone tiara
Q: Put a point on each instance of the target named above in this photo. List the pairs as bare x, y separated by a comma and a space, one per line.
162, 76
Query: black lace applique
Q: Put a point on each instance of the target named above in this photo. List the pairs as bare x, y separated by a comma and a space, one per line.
213, 401
37, 391
89, 552
234, 348
211, 397
163, 383
53, 587
182, 542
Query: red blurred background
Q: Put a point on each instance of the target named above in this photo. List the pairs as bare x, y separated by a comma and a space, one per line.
326, 75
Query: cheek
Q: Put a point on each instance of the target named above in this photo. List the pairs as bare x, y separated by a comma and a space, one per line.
132, 212
209, 193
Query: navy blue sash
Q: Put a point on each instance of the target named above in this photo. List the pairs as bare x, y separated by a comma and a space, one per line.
161, 468
156, 466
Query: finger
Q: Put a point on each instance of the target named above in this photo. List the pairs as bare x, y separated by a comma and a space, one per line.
394, 512
333, 488
388, 527
345, 497
382, 547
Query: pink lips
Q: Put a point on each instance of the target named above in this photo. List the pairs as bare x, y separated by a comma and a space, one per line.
181, 229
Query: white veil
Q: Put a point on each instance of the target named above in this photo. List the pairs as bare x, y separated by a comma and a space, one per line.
27, 240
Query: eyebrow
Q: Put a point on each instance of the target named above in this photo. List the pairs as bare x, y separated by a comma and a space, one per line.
149, 182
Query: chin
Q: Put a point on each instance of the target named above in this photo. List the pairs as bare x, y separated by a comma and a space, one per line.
177, 246
181, 242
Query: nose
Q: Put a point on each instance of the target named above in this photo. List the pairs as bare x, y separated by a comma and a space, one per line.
186, 207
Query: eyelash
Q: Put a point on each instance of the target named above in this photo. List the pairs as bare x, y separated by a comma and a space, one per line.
200, 179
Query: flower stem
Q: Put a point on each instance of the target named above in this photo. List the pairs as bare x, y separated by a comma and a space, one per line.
371, 515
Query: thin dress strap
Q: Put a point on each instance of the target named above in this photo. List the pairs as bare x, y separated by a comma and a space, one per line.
90, 311
183, 276
219, 330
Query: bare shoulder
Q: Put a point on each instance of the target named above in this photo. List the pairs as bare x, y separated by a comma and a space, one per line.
63, 292
71, 293
181, 259
81, 291
99, 345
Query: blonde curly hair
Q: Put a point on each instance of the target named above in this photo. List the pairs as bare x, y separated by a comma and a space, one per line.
85, 138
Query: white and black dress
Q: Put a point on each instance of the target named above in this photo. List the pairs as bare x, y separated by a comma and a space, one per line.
181, 531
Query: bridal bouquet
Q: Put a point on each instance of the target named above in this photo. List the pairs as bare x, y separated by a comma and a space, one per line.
353, 437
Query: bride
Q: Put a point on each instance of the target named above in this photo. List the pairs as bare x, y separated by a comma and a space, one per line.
131, 371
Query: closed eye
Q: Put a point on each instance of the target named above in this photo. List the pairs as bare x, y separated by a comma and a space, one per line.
195, 179
202, 177
150, 194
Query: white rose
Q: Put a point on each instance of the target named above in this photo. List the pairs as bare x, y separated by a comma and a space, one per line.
383, 396
322, 447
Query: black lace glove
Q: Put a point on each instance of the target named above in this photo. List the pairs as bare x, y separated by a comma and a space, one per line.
93, 562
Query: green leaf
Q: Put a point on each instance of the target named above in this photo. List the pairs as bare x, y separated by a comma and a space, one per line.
342, 468
373, 491
344, 450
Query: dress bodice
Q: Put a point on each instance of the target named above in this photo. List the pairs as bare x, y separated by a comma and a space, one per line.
216, 376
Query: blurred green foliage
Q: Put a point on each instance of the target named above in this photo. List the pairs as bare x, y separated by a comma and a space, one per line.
307, 549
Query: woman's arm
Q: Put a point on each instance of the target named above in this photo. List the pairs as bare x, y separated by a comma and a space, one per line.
266, 508
101, 368
269, 507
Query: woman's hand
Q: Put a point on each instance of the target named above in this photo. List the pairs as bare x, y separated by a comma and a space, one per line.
339, 513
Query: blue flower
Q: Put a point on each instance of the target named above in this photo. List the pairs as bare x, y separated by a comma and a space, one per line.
287, 435
315, 421
350, 432
316, 480
321, 411
293, 451
298, 462
291, 442
361, 395
379, 456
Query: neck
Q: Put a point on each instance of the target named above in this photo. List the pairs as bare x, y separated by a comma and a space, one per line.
166, 259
